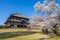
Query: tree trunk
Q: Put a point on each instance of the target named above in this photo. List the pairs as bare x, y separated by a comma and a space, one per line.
45, 31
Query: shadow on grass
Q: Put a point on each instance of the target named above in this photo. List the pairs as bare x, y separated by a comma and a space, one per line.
14, 34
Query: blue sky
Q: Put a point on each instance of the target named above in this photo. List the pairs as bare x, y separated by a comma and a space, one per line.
8, 7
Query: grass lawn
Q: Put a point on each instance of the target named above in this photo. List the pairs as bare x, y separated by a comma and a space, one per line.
23, 34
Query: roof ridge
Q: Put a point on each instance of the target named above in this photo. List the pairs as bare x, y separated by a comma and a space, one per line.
17, 13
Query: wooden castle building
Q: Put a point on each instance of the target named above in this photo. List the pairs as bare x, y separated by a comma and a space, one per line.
17, 20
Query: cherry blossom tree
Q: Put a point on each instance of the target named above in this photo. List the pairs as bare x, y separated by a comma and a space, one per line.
48, 6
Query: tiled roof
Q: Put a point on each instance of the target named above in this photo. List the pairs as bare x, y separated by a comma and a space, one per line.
3, 25
15, 20
19, 15
16, 15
